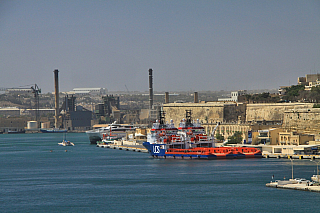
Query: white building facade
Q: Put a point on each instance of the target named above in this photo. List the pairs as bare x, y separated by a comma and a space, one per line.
89, 91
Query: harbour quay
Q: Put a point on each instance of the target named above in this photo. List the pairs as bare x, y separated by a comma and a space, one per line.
296, 185
134, 148
273, 155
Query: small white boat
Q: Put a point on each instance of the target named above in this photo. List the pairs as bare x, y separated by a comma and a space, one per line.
66, 143
315, 178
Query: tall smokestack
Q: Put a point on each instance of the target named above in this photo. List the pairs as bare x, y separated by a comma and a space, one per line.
166, 97
196, 99
56, 95
150, 89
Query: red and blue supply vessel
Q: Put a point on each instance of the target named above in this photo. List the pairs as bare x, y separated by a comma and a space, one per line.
189, 141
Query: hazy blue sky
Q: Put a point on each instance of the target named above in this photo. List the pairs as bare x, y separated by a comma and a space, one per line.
191, 45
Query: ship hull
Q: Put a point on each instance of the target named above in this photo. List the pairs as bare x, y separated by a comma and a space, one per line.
94, 139
53, 130
159, 151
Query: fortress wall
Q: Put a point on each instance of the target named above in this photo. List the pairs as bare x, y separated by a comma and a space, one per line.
272, 111
296, 116
205, 112
302, 119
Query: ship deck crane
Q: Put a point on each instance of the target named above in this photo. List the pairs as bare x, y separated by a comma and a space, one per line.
214, 130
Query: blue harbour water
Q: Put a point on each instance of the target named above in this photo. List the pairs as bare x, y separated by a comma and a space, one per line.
37, 175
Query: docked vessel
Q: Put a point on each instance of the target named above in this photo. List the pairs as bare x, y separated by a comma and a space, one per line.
190, 141
315, 178
15, 132
53, 130
113, 131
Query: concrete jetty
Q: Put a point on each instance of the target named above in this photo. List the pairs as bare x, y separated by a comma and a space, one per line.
288, 156
304, 186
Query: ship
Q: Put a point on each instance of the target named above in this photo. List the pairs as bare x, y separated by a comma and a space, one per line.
53, 130
190, 141
113, 131
15, 131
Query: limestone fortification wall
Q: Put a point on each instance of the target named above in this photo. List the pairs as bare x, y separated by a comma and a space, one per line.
298, 116
302, 119
206, 112
272, 111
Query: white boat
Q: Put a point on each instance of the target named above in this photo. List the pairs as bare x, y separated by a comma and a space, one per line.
114, 129
66, 143
315, 178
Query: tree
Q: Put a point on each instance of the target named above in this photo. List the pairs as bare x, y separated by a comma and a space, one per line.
293, 92
316, 106
235, 138
219, 137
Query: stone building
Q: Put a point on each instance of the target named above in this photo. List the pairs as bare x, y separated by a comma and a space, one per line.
234, 96
228, 130
311, 80
294, 138
268, 136
17, 124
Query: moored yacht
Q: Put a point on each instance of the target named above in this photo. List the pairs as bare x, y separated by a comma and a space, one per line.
114, 130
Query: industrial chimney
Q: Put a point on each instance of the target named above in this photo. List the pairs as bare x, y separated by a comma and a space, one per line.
196, 99
56, 96
166, 97
150, 89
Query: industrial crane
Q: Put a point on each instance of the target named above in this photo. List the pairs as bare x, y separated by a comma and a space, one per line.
36, 91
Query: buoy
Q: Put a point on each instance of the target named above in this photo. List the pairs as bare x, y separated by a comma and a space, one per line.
65, 150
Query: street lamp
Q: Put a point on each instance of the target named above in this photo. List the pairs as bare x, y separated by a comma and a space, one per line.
316, 162
291, 168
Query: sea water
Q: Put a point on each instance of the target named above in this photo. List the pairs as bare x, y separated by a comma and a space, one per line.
37, 175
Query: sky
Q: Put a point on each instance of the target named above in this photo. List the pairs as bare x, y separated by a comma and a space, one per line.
191, 45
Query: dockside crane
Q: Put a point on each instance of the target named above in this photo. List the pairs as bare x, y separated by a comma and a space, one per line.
36, 91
